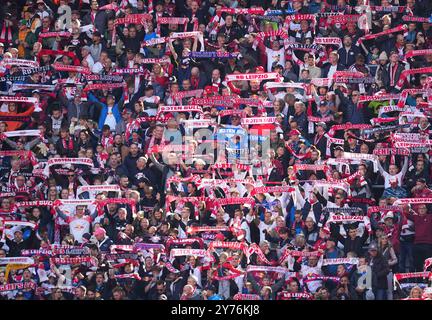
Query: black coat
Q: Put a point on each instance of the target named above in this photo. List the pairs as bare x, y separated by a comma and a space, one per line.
355, 245
321, 145
15, 247
100, 22
70, 150
380, 269
386, 75
326, 68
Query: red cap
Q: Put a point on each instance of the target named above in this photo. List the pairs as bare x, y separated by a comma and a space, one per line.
294, 132
220, 237
169, 116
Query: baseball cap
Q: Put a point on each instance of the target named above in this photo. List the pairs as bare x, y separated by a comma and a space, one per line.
389, 215
373, 247
144, 180
210, 288
323, 104
86, 236
322, 124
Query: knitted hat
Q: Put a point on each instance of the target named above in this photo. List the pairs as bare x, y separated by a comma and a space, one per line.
99, 231
383, 56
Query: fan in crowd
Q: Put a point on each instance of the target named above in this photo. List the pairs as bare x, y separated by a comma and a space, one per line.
215, 150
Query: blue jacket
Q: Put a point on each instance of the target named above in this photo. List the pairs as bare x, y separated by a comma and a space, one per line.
346, 59
104, 111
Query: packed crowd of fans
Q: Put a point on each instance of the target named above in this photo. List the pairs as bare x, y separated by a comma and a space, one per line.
215, 150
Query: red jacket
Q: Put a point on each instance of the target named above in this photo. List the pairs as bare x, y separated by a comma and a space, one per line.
423, 228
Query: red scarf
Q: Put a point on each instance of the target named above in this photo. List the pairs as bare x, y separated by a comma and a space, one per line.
68, 145
3, 34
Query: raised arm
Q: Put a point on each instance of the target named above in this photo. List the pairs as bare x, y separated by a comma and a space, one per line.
11, 143
195, 44
404, 167
255, 284
31, 144
156, 163
381, 169
92, 98
94, 214
61, 214
171, 47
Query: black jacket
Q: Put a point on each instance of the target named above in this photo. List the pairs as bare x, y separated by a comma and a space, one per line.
15, 247
380, 269
355, 245
386, 75
100, 21
68, 149
326, 68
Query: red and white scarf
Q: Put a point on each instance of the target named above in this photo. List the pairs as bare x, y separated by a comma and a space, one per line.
383, 33
191, 34
67, 161
252, 76
259, 190
69, 68
18, 286
187, 108
98, 188
8, 62
16, 260
340, 218
172, 20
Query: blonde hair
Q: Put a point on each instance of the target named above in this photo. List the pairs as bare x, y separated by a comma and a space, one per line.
416, 288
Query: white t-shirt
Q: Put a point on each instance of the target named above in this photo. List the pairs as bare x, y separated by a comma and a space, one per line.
312, 272
97, 67
90, 61
79, 226
275, 56
332, 70
153, 99
110, 119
